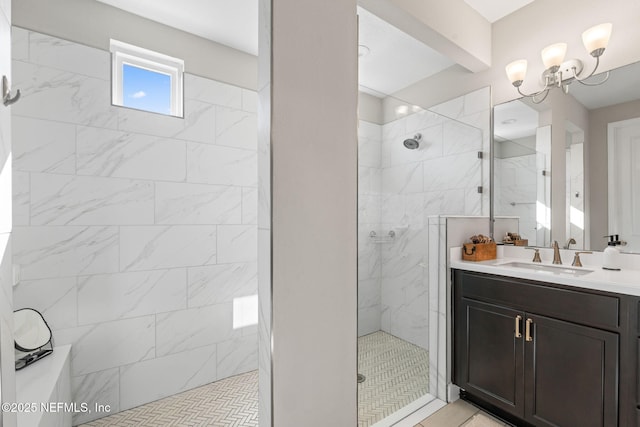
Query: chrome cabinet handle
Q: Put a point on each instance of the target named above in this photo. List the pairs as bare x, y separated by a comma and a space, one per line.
527, 330
518, 320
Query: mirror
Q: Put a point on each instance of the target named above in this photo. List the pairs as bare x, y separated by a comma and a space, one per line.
522, 159
32, 337
589, 192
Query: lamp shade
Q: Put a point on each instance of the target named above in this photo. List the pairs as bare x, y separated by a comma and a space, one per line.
553, 55
516, 71
597, 37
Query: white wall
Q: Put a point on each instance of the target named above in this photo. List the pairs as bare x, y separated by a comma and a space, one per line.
93, 23
313, 144
134, 231
7, 360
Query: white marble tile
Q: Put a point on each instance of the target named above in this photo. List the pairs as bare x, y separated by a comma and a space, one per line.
63, 96
221, 283
369, 258
369, 180
56, 299
249, 205
45, 252
369, 209
154, 379
110, 344
369, 152
402, 179
156, 247
451, 202
196, 327
21, 198
101, 388
249, 101
369, 130
107, 297
69, 56
472, 202
237, 243
43, 146
235, 128
237, 356
451, 109
369, 292
210, 164
459, 138
212, 92
423, 120
197, 204
199, 122
104, 152
441, 174
368, 320
84, 200
19, 44
137, 121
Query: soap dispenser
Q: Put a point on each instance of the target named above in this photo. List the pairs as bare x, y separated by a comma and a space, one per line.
611, 255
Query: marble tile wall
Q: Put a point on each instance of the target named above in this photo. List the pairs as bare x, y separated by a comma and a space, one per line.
134, 231
369, 252
441, 177
7, 370
516, 192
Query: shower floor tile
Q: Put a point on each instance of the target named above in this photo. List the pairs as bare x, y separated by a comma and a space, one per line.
232, 402
396, 371
396, 374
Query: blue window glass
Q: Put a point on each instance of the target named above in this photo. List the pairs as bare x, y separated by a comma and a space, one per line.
146, 90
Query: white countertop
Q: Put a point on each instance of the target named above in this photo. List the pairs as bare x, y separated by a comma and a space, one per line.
625, 281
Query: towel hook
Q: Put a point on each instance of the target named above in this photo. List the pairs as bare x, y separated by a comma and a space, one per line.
6, 93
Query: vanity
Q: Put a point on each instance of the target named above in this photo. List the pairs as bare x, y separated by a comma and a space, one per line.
543, 345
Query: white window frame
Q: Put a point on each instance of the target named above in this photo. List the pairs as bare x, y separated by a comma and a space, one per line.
124, 53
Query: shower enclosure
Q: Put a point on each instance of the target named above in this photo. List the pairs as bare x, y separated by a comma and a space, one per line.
414, 165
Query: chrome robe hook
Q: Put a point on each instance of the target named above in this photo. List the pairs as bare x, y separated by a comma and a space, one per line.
7, 99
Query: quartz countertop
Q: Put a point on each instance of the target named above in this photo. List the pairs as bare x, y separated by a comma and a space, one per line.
625, 281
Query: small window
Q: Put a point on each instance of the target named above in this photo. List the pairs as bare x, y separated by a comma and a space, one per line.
146, 80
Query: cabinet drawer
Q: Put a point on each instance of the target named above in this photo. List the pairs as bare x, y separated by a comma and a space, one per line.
536, 297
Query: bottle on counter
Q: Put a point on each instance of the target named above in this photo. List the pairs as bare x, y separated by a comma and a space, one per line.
611, 255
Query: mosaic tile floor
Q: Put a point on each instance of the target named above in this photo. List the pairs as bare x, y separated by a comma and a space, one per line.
396, 371
232, 402
396, 374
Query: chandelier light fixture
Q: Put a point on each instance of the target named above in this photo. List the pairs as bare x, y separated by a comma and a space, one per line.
560, 73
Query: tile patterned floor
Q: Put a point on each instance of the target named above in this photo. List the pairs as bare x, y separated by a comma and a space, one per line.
396, 374
232, 402
396, 371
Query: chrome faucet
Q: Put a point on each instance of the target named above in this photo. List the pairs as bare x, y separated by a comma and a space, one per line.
556, 253
570, 242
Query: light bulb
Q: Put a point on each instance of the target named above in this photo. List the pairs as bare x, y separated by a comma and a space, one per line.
516, 71
596, 38
553, 55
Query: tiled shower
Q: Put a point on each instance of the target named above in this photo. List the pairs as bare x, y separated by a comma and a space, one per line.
399, 191
133, 232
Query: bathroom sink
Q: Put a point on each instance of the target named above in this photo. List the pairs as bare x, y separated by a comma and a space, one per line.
548, 269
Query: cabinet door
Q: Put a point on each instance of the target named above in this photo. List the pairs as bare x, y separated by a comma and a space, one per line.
571, 375
490, 355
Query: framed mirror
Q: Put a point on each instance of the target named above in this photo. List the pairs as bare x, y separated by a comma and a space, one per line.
587, 188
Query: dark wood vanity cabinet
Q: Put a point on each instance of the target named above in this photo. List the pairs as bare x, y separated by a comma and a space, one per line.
545, 355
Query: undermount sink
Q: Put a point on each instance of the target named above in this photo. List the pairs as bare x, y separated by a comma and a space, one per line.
548, 269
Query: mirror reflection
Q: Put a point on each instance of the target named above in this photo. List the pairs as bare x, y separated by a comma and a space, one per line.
594, 135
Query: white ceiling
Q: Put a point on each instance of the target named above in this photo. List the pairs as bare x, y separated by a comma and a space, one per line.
396, 60
493, 10
230, 22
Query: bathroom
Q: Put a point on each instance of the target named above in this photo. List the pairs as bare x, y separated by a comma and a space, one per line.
150, 209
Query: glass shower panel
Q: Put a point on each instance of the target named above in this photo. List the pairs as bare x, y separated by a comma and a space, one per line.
414, 163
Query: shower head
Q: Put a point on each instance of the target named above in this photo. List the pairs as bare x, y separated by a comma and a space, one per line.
413, 143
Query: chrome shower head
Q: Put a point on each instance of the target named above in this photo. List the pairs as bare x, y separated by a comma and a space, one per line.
413, 143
